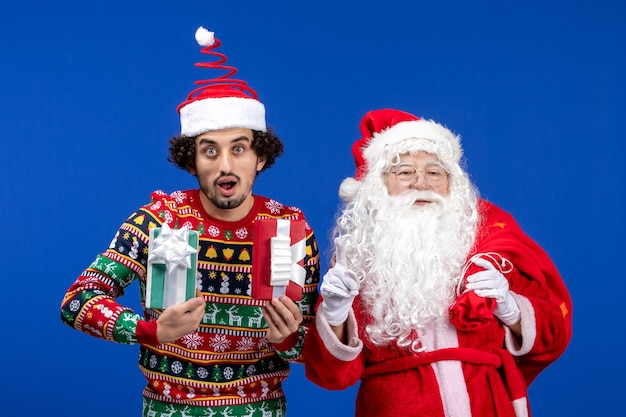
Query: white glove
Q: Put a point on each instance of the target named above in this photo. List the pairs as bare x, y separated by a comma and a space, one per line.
339, 287
490, 283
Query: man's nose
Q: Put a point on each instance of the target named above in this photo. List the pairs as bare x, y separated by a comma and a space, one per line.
225, 162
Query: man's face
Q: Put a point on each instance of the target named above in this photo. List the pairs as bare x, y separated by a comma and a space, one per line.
420, 171
226, 167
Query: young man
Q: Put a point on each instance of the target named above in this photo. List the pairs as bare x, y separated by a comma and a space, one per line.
221, 352
437, 302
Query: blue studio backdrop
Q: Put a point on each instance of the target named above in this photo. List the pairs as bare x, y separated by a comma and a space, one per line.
88, 102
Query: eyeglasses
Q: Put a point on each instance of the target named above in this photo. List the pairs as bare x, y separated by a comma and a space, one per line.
407, 175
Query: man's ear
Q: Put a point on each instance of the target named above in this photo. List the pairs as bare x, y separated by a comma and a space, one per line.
260, 163
191, 170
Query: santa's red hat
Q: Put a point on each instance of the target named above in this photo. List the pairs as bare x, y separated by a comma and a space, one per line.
221, 102
387, 132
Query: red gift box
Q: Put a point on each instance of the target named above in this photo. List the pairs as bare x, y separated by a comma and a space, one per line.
278, 255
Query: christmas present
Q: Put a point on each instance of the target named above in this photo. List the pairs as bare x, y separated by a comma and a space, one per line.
172, 266
278, 254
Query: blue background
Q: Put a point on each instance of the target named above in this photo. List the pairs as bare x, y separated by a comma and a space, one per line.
88, 95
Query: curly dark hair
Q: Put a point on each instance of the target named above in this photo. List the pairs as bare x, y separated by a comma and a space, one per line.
265, 144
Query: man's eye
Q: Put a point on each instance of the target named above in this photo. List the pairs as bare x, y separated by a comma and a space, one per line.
435, 173
238, 149
211, 151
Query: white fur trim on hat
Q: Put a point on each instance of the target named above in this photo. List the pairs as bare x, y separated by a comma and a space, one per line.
208, 114
413, 136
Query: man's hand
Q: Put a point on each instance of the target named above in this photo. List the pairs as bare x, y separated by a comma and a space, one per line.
338, 289
490, 283
283, 317
181, 319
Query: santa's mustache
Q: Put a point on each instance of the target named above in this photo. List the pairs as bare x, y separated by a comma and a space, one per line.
411, 197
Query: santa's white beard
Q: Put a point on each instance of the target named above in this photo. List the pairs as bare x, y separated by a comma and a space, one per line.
409, 259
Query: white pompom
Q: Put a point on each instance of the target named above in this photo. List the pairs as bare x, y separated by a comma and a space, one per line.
204, 37
349, 188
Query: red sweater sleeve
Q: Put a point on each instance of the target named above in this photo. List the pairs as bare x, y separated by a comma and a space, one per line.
147, 332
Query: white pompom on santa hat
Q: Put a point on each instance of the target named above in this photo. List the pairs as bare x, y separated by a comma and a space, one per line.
221, 102
388, 132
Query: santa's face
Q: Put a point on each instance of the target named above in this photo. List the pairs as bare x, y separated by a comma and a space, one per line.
407, 240
419, 171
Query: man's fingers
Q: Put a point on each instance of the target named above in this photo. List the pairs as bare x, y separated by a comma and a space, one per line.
283, 317
276, 328
268, 316
285, 310
287, 303
193, 303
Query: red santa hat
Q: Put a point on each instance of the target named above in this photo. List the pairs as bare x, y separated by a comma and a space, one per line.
221, 102
388, 132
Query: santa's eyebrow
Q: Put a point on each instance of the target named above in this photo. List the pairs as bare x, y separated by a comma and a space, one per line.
427, 164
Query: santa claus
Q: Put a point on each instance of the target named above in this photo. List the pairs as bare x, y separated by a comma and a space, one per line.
437, 302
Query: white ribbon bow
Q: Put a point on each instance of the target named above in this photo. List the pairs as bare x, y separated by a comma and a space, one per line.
171, 248
285, 258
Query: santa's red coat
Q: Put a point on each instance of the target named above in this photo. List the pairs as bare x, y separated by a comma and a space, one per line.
470, 366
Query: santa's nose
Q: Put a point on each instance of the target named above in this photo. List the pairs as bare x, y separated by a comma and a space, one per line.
420, 182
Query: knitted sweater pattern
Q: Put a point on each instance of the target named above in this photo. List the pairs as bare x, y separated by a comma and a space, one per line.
227, 364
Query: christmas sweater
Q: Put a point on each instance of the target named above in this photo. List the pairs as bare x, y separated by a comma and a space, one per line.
227, 366
468, 365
